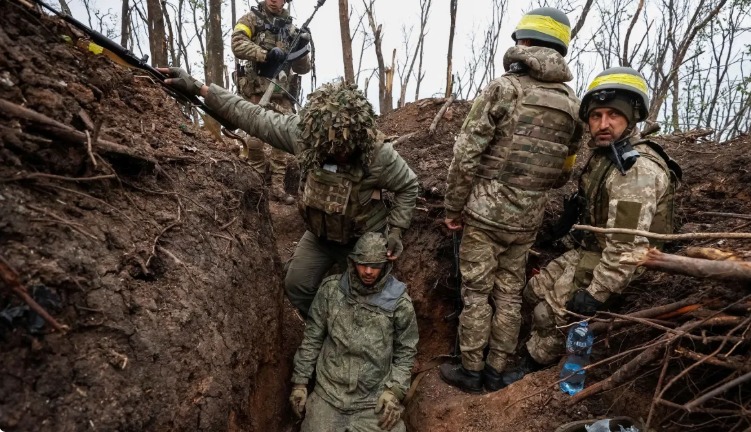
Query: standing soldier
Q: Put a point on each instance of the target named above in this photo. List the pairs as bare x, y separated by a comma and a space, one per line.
345, 163
518, 141
627, 183
262, 39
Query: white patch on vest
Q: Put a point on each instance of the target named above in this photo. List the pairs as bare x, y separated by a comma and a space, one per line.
330, 167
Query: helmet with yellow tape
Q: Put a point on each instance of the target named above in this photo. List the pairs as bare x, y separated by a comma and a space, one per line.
547, 25
622, 88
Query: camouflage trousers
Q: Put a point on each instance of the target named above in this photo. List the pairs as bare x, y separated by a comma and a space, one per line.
548, 292
493, 266
320, 416
310, 262
260, 154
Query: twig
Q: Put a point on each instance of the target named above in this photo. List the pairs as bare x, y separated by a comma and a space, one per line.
665, 363
696, 267
227, 225
686, 236
439, 115
658, 311
88, 148
57, 177
693, 355
11, 279
730, 215
161, 233
91, 197
700, 400
73, 225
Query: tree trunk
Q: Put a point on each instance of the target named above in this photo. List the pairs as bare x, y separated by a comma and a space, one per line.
452, 28
171, 37
349, 70
125, 24
157, 36
214, 45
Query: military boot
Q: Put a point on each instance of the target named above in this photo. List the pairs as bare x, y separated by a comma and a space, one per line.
463, 379
525, 365
492, 379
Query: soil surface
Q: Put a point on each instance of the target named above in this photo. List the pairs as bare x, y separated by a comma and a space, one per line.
159, 250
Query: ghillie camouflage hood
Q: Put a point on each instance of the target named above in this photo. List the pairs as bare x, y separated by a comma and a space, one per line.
338, 119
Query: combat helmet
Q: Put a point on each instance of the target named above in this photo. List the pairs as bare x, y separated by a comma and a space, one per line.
338, 119
616, 86
370, 249
547, 25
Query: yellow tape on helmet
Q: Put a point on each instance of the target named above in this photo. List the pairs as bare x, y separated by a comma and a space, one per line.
546, 25
628, 80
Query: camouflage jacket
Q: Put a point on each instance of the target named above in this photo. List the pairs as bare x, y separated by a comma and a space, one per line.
358, 345
252, 37
642, 199
388, 171
487, 202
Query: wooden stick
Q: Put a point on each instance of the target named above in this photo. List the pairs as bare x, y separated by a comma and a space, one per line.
686, 236
696, 267
10, 277
712, 360
440, 113
730, 215
658, 311
33, 176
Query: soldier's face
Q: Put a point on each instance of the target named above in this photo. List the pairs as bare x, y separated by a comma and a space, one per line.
275, 6
368, 275
606, 125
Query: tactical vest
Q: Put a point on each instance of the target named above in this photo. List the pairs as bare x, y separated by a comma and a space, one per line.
543, 124
268, 36
596, 202
334, 207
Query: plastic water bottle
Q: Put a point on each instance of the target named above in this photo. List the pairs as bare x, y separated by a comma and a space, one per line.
578, 349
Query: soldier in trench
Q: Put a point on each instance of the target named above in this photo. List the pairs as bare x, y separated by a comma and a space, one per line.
628, 182
346, 164
261, 39
519, 140
361, 340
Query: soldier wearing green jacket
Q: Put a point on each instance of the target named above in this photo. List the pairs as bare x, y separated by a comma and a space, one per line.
518, 141
629, 182
361, 340
346, 165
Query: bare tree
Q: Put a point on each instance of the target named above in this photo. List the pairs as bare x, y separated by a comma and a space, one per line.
481, 64
214, 66
125, 23
157, 36
344, 12
450, 51
405, 72
385, 99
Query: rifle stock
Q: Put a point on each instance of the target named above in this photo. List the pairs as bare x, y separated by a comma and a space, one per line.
141, 63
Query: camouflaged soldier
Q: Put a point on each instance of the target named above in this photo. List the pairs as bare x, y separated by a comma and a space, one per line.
261, 40
627, 183
346, 164
361, 340
518, 141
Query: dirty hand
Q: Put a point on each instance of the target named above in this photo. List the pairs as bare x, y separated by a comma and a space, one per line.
182, 81
297, 399
392, 410
394, 246
453, 224
583, 303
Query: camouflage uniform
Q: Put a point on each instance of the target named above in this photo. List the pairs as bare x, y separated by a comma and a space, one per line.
361, 341
642, 199
339, 202
253, 36
518, 141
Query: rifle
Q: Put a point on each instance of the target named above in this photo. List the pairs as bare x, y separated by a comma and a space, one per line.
141, 63
274, 77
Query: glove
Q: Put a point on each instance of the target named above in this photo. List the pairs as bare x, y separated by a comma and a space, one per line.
304, 39
394, 246
183, 82
583, 303
392, 410
275, 56
297, 399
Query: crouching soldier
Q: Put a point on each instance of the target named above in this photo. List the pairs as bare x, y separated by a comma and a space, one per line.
629, 182
361, 339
